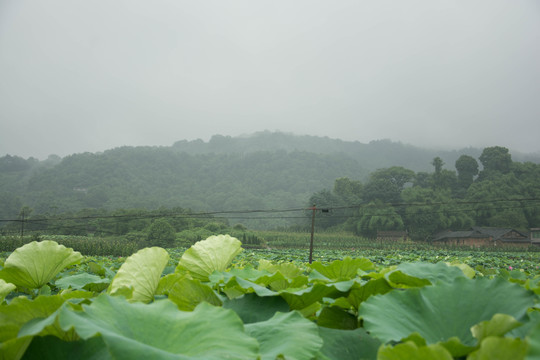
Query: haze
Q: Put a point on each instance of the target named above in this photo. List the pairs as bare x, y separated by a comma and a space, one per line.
80, 76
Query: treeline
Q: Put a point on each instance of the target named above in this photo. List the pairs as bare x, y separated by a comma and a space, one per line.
500, 193
263, 171
137, 227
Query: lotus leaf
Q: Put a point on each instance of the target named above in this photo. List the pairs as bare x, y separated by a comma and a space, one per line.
347, 344
500, 348
288, 335
345, 269
499, 325
52, 348
5, 288
409, 350
444, 310
140, 273
160, 330
213, 254
252, 308
187, 293
35, 264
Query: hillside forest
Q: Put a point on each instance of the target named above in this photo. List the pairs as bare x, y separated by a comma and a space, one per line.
258, 181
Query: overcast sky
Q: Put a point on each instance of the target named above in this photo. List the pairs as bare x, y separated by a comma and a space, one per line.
80, 76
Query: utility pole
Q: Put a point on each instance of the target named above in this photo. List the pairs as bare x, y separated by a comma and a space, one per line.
22, 224
314, 208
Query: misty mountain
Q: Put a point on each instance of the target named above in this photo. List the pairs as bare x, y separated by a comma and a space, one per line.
262, 171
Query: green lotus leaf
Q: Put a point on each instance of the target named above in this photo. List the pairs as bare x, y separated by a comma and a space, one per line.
409, 350
303, 298
500, 348
289, 270
185, 292
213, 254
5, 288
82, 281
286, 335
160, 331
20, 311
533, 352
273, 280
438, 272
52, 348
336, 318
347, 344
499, 325
345, 269
466, 269
361, 292
140, 273
35, 264
252, 308
444, 310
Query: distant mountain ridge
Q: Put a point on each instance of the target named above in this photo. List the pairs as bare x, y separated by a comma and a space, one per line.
374, 155
262, 171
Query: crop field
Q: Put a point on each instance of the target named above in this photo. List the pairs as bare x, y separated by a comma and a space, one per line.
217, 300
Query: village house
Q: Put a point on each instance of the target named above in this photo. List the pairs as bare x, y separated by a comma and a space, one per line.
535, 236
484, 236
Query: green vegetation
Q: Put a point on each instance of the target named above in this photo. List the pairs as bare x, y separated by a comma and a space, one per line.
216, 300
503, 194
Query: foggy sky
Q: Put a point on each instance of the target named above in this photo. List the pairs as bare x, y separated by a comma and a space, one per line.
80, 76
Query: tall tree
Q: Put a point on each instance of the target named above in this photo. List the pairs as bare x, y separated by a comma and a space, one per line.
496, 159
386, 184
467, 168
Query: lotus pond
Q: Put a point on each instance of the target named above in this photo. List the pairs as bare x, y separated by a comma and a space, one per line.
216, 300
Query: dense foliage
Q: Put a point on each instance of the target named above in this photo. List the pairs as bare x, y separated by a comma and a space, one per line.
503, 194
215, 301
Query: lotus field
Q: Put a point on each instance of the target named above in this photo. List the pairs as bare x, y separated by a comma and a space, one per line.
218, 301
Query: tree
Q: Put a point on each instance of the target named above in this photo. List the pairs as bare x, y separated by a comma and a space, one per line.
350, 191
378, 217
161, 233
467, 168
496, 159
386, 184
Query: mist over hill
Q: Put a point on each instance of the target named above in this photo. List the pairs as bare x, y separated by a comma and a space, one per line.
262, 171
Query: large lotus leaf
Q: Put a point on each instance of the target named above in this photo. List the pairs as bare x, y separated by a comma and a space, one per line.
289, 270
35, 264
185, 292
347, 344
444, 310
52, 348
20, 311
5, 288
345, 269
141, 273
213, 254
252, 308
288, 335
439, 272
410, 351
500, 348
160, 331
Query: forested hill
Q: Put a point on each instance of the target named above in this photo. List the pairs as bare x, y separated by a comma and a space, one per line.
372, 156
264, 171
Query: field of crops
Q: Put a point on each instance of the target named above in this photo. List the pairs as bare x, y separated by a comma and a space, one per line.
216, 300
